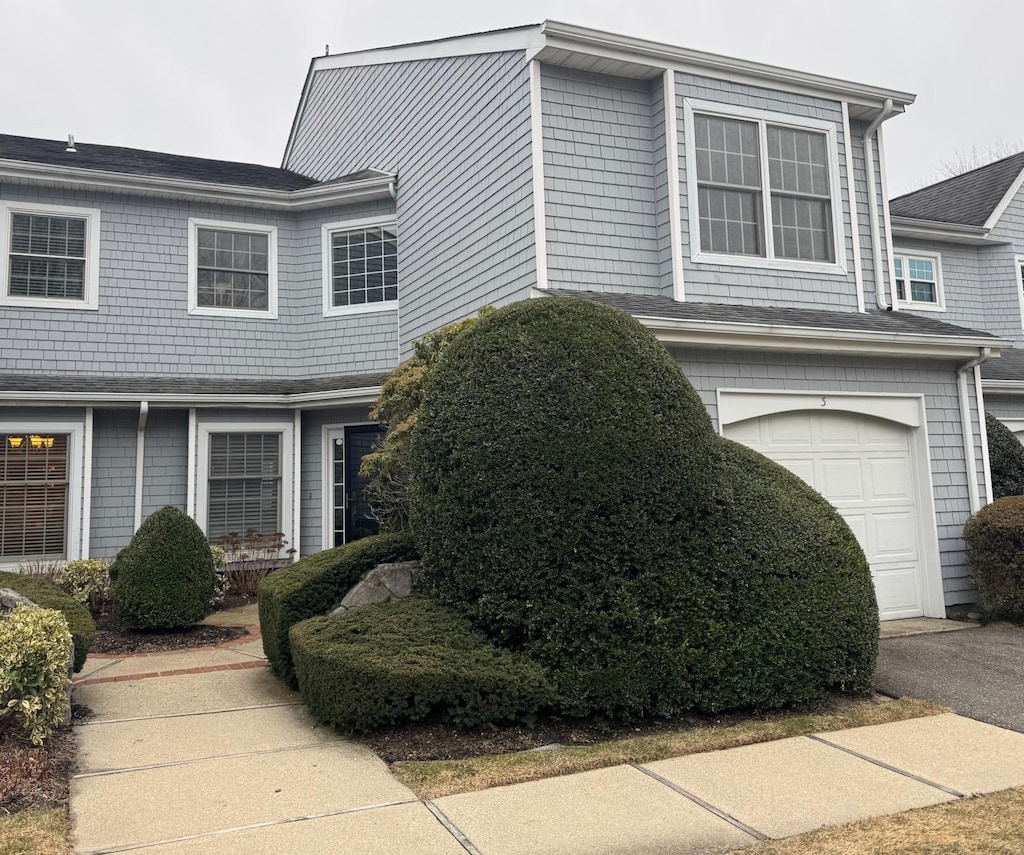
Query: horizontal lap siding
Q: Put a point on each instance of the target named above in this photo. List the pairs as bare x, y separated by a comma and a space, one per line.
600, 182
710, 370
457, 132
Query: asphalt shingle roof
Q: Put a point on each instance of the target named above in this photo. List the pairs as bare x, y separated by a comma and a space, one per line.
186, 386
1009, 365
967, 199
875, 321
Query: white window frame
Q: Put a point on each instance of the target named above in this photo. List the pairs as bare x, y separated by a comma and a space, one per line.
1018, 269
918, 306
327, 261
193, 269
91, 287
768, 260
285, 500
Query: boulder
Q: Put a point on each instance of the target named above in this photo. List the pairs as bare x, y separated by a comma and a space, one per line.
385, 583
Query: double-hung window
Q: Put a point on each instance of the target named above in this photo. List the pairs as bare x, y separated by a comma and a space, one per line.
232, 269
918, 280
244, 484
763, 189
50, 256
360, 263
33, 496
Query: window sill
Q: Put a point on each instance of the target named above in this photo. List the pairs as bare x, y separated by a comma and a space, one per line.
818, 267
207, 311
361, 309
919, 307
45, 303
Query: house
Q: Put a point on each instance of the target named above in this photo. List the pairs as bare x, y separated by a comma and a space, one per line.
211, 334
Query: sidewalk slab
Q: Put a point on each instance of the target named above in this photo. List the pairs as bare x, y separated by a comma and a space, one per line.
250, 648
145, 742
795, 785
173, 661
171, 802
614, 810
920, 626
185, 693
969, 756
408, 829
94, 664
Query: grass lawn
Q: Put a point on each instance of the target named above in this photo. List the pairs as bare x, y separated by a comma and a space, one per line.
431, 779
36, 832
987, 825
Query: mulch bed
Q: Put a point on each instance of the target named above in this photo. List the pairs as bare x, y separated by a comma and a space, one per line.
110, 639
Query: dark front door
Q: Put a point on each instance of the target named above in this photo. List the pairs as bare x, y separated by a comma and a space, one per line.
359, 441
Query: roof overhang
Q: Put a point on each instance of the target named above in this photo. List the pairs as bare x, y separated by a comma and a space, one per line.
165, 400
318, 196
909, 227
1003, 387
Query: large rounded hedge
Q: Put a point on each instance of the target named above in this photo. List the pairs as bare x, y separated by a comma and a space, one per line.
164, 578
1006, 459
571, 498
995, 554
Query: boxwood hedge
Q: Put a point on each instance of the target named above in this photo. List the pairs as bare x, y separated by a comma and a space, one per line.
1006, 459
395, 663
42, 593
315, 585
995, 554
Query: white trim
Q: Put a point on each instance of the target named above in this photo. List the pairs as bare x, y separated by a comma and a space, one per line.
886, 220
906, 254
909, 227
87, 483
91, 285
979, 395
76, 465
967, 434
540, 237
194, 308
769, 260
327, 265
297, 492
851, 198
1018, 268
675, 202
1013, 424
327, 479
288, 475
339, 397
909, 410
140, 459
1004, 203
190, 496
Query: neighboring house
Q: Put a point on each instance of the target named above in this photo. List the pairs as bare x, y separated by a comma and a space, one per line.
737, 209
963, 240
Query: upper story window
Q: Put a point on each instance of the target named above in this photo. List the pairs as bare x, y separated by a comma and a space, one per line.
360, 261
50, 256
918, 280
232, 269
765, 189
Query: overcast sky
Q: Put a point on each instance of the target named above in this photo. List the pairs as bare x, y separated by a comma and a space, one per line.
221, 78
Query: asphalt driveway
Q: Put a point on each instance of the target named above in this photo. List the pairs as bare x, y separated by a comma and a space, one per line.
976, 672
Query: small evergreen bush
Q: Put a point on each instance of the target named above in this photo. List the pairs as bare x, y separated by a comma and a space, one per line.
995, 555
88, 581
34, 683
315, 585
47, 596
1006, 459
395, 663
164, 578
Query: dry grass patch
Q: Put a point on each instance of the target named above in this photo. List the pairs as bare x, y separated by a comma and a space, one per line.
36, 832
986, 825
431, 779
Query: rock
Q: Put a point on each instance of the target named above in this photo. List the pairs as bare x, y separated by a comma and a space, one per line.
385, 583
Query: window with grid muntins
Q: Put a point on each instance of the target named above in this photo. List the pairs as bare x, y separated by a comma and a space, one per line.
920, 274
232, 270
245, 484
364, 266
732, 185
47, 257
33, 496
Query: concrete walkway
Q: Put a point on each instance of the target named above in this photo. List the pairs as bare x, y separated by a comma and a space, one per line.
205, 752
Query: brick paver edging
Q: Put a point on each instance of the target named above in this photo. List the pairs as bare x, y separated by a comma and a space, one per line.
176, 672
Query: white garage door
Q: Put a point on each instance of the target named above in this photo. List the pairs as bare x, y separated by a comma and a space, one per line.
863, 466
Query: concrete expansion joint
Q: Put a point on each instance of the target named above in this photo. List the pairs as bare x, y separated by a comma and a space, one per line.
187, 714
451, 827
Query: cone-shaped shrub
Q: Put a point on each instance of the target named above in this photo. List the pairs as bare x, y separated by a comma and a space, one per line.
164, 578
1006, 459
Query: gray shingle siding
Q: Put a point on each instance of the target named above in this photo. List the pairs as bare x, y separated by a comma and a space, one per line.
165, 467
113, 481
457, 132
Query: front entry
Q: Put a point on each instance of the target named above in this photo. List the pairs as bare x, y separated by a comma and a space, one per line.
350, 517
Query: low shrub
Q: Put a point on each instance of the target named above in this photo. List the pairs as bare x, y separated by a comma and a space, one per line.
34, 681
42, 593
395, 663
1006, 459
164, 578
88, 581
315, 585
995, 555
249, 558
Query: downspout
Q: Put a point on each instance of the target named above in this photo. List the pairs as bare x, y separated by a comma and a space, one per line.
392, 190
965, 422
876, 238
140, 454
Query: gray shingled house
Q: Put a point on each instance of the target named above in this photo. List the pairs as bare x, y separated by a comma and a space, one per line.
211, 334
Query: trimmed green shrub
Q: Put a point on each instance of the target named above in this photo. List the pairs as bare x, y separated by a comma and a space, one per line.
47, 596
164, 578
34, 683
995, 555
572, 500
395, 663
1006, 459
88, 581
315, 585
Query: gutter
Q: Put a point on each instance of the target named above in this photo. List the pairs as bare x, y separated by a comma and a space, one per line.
886, 112
911, 227
140, 456
362, 395
965, 422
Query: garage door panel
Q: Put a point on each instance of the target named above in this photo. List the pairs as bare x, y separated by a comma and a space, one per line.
842, 479
792, 429
890, 478
894, 536
897, 592
836, 429
802, 467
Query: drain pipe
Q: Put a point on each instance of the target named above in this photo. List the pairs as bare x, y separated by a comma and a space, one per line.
140, 454
965, 421
876, 238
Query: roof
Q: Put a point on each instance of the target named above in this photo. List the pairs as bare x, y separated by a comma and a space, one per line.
1009, 366
902, 323
969, 199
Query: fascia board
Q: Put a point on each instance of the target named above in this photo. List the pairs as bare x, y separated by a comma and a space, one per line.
1004, 203
293, 200
1004, 387
365, 395
908, 227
